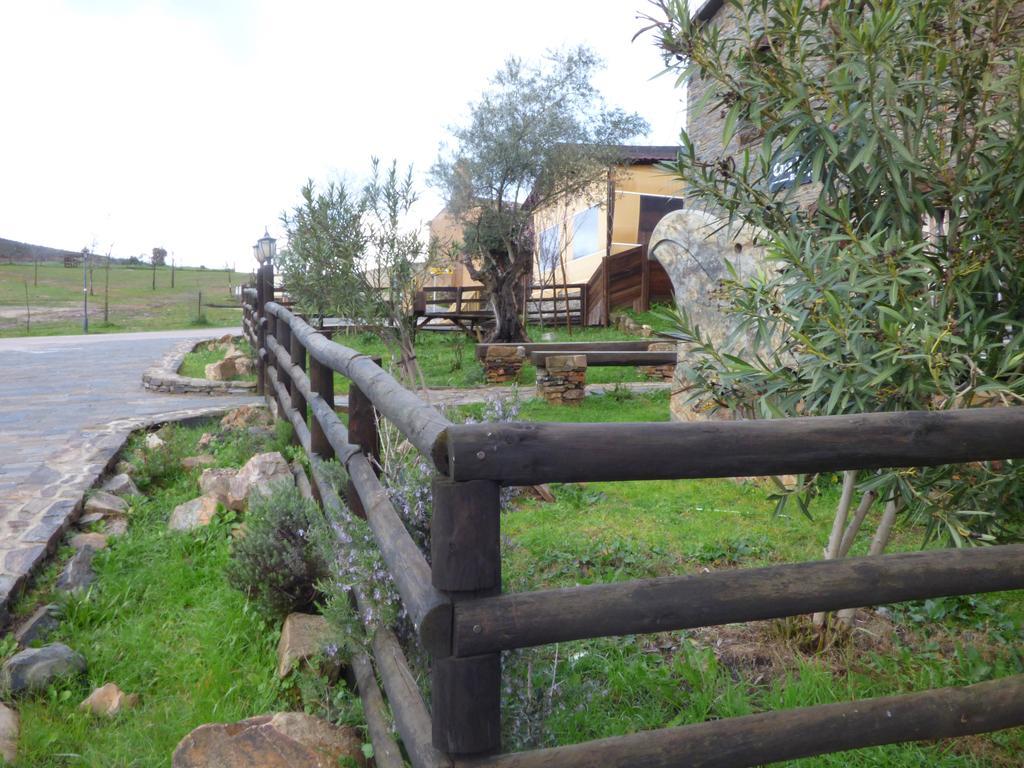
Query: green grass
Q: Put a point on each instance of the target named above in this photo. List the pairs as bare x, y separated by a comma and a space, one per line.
161, 621
602, 532
56, 302
194, 363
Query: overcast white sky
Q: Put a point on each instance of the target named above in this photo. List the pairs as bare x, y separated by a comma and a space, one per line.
191, 124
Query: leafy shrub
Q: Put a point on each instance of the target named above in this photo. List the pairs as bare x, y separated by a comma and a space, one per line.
276, 562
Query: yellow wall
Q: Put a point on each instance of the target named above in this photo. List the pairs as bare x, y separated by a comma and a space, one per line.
446, 231
630, 184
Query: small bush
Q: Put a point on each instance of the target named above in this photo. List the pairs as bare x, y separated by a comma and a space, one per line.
276, 562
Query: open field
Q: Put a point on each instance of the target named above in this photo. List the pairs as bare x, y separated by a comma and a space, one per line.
55, 303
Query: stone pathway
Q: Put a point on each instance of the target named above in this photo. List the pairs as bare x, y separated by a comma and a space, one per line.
67, 403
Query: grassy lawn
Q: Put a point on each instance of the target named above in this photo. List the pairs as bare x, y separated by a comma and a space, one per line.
600, 532
161, 621
195, 362
56, 302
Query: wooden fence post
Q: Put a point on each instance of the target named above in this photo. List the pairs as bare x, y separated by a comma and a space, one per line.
298, 357
261, 333
362, 431
466, 563
321, 381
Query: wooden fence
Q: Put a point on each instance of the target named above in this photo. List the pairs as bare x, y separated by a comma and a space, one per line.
469, 306
627, 279
464, 622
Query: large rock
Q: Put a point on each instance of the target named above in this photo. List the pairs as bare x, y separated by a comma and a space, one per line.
154, 442
284, 740
35, 668
302, 637
242, 363
121, 485
9, 723
193, 514
257, 476
108, 700
77, 574
217, 483
116, 526
106, 504
247, 416
41, 623
222, 370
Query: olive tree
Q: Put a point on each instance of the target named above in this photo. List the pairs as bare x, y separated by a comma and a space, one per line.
352, 254
899, 286
541, 132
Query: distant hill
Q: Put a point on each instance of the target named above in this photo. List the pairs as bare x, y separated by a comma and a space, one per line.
12, 251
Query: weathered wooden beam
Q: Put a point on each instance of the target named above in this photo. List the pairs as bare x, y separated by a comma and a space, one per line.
422, 425
723, 597
323, 415
604, 358
752, 740
386, 753
410, 712
533, 453
321, 381
430, 610
284, 404
297, 358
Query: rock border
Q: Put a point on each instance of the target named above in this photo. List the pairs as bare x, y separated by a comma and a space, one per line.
60, 503
163, 376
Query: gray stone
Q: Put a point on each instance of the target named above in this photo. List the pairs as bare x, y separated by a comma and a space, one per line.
95, 541
154, 442
217, 483
124, 468
92, 517
41, 623
78, 573
257, 476
121, 485
194, 462
35, 668
9, 724
116, 526
106, 504
193, 514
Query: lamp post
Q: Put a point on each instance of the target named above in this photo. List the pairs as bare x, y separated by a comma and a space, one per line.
85, 290
267, 248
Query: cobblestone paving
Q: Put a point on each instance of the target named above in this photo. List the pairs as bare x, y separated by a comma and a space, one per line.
67, 403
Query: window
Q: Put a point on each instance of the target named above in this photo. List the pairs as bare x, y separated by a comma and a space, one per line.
584, 233
549, 249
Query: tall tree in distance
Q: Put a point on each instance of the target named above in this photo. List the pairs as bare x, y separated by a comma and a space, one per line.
540, 132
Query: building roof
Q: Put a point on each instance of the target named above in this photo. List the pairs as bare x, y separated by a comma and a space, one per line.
707, 9
645, 154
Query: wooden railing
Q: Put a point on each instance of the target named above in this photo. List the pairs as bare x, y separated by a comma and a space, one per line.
464, 622
628, 279
545, 305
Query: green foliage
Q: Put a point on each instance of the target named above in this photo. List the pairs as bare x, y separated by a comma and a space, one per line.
274, 561
350, 255
730, 551
899, 286
541, 130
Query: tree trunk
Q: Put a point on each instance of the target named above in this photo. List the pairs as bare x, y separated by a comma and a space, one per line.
838, 524
508, 325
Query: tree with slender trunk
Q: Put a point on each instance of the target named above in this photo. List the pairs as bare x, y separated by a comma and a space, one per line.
540, 133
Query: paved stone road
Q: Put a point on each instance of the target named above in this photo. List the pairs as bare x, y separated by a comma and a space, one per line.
66, 405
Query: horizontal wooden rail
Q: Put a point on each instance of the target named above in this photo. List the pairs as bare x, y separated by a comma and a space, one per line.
411, 715
570, 347
293, 416
334, 429
422, 425
609, 358
751, 740
429, 609
529, 454
724, 597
